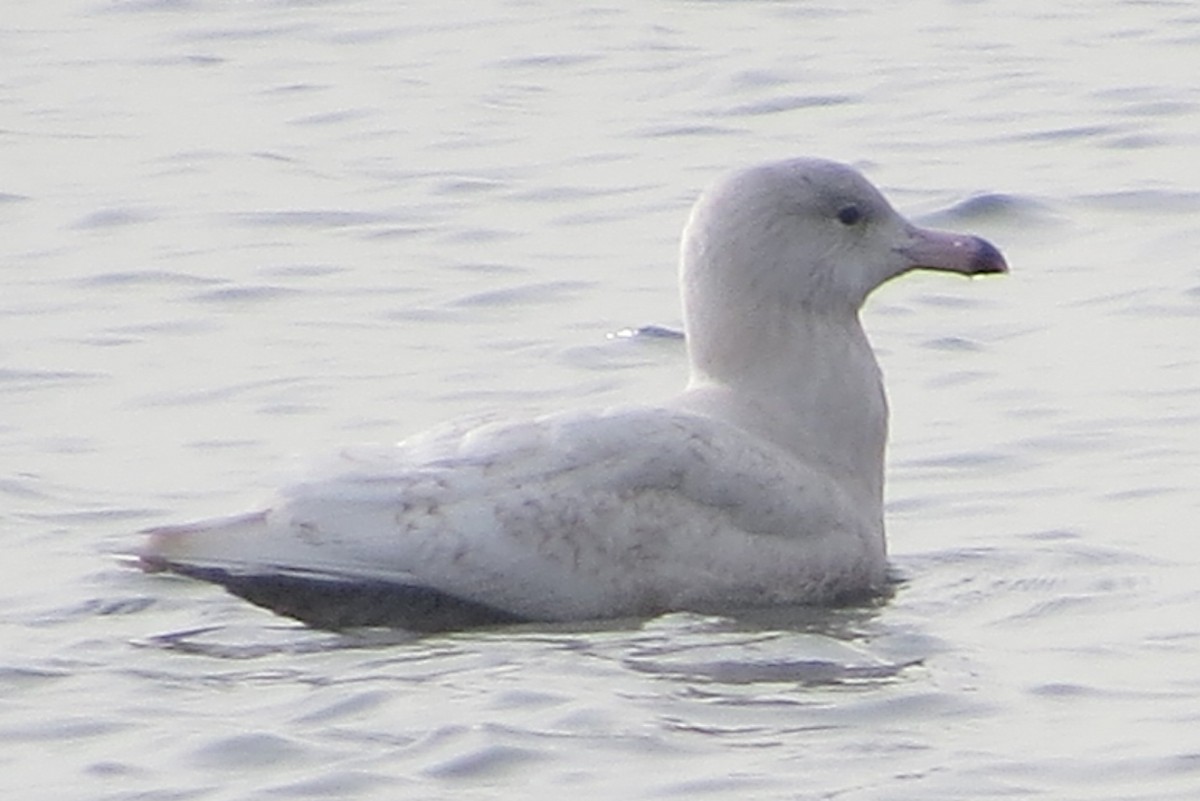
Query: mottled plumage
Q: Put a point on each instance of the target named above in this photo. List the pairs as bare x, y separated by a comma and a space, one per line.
760, 484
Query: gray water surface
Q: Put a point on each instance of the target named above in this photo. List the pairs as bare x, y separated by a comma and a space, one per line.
232, 234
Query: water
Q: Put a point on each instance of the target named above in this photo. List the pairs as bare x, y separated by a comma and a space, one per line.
237, 232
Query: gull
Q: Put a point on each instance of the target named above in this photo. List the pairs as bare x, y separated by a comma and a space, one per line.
760, 484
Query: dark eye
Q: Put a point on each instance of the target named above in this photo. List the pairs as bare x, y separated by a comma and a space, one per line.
849, 215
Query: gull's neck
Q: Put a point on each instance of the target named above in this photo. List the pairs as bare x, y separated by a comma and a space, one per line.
807, 383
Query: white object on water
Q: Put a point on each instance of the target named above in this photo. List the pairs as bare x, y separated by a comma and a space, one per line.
760, 484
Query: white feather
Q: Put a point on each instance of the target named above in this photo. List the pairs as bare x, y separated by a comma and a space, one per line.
759, 484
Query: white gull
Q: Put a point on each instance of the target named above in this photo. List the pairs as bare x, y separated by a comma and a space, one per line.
760, 484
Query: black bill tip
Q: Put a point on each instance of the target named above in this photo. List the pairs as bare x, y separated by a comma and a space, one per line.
987, 259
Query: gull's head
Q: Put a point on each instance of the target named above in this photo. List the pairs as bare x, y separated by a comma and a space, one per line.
808, 236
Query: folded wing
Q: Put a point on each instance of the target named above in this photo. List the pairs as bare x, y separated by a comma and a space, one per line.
564, 517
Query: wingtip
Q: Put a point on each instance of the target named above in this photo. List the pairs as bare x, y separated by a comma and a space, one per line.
165, 546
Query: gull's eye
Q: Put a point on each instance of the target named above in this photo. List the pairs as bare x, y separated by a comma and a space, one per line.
849, 215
